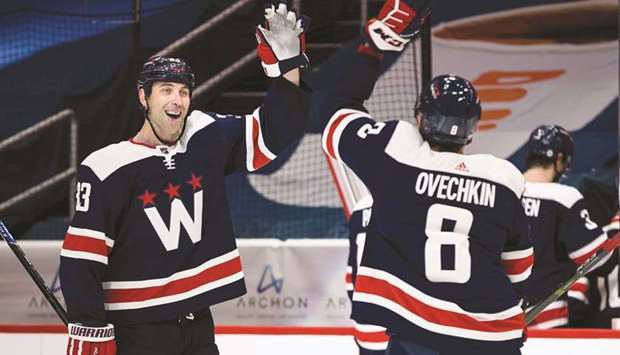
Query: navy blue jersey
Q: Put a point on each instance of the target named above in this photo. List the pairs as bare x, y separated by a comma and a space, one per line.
371, 339
447, 251
564, 237
358, 223
597, 296
152, 238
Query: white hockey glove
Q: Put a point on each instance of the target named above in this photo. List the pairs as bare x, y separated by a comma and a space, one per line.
85, 340
397, 23
281, 43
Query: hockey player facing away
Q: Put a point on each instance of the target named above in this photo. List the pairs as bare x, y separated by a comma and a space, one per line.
594, 300
370, 339
447, 250
151, 245
562, 232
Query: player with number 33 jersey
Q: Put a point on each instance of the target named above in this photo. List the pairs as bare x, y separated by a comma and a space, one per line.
151, 245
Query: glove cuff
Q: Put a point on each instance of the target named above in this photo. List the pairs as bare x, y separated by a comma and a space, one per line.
284, 66
383, 38
91, 334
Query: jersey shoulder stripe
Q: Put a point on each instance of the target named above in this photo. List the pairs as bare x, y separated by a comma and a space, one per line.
105, 161
565, 195
334, 128
196, 121
363, 203
407, 147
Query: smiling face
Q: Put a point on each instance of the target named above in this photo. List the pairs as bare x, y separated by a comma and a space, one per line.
167, 107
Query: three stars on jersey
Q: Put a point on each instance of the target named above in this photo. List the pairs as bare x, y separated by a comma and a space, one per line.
148, 198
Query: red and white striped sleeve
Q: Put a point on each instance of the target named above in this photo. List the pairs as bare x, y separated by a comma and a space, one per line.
86, 247
86, 237
87, 244
257, 152
579, 290
579, 233
582, 254
518, 264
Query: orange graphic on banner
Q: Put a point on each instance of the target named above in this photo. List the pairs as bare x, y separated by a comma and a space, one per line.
495, 114
486, 126
495, 78
501, 95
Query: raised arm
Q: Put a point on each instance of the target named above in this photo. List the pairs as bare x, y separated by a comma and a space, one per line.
257, 138
282, 43
383, 39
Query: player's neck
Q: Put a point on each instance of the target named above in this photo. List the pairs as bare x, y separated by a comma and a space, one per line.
145, 136
539, 174
437, 148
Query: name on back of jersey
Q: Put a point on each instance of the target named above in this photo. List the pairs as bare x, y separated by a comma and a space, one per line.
531, 206
454, 188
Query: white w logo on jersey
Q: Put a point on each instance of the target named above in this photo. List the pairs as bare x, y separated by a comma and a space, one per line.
178, 216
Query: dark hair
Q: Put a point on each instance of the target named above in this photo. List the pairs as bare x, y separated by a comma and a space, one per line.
533, 160
449, 148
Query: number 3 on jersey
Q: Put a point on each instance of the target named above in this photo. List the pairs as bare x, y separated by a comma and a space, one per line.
459, 221
82, 197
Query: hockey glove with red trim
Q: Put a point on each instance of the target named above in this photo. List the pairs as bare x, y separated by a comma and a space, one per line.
397, 23
281, 43
85, 340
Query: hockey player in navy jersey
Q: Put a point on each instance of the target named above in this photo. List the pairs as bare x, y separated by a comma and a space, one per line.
370, 339
447, 251
562, 232
594, 300
151, 246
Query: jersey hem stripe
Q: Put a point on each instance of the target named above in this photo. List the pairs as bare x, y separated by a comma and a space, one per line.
394, 282
176, 276
194, 291
438, 328
181, 286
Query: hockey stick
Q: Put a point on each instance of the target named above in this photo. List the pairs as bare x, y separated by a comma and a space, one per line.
582, 270
34, 274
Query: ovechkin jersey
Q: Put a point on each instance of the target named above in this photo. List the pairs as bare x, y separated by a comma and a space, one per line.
152, 238
447, 252
371, 339
447, 249
598, 294
564, 237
